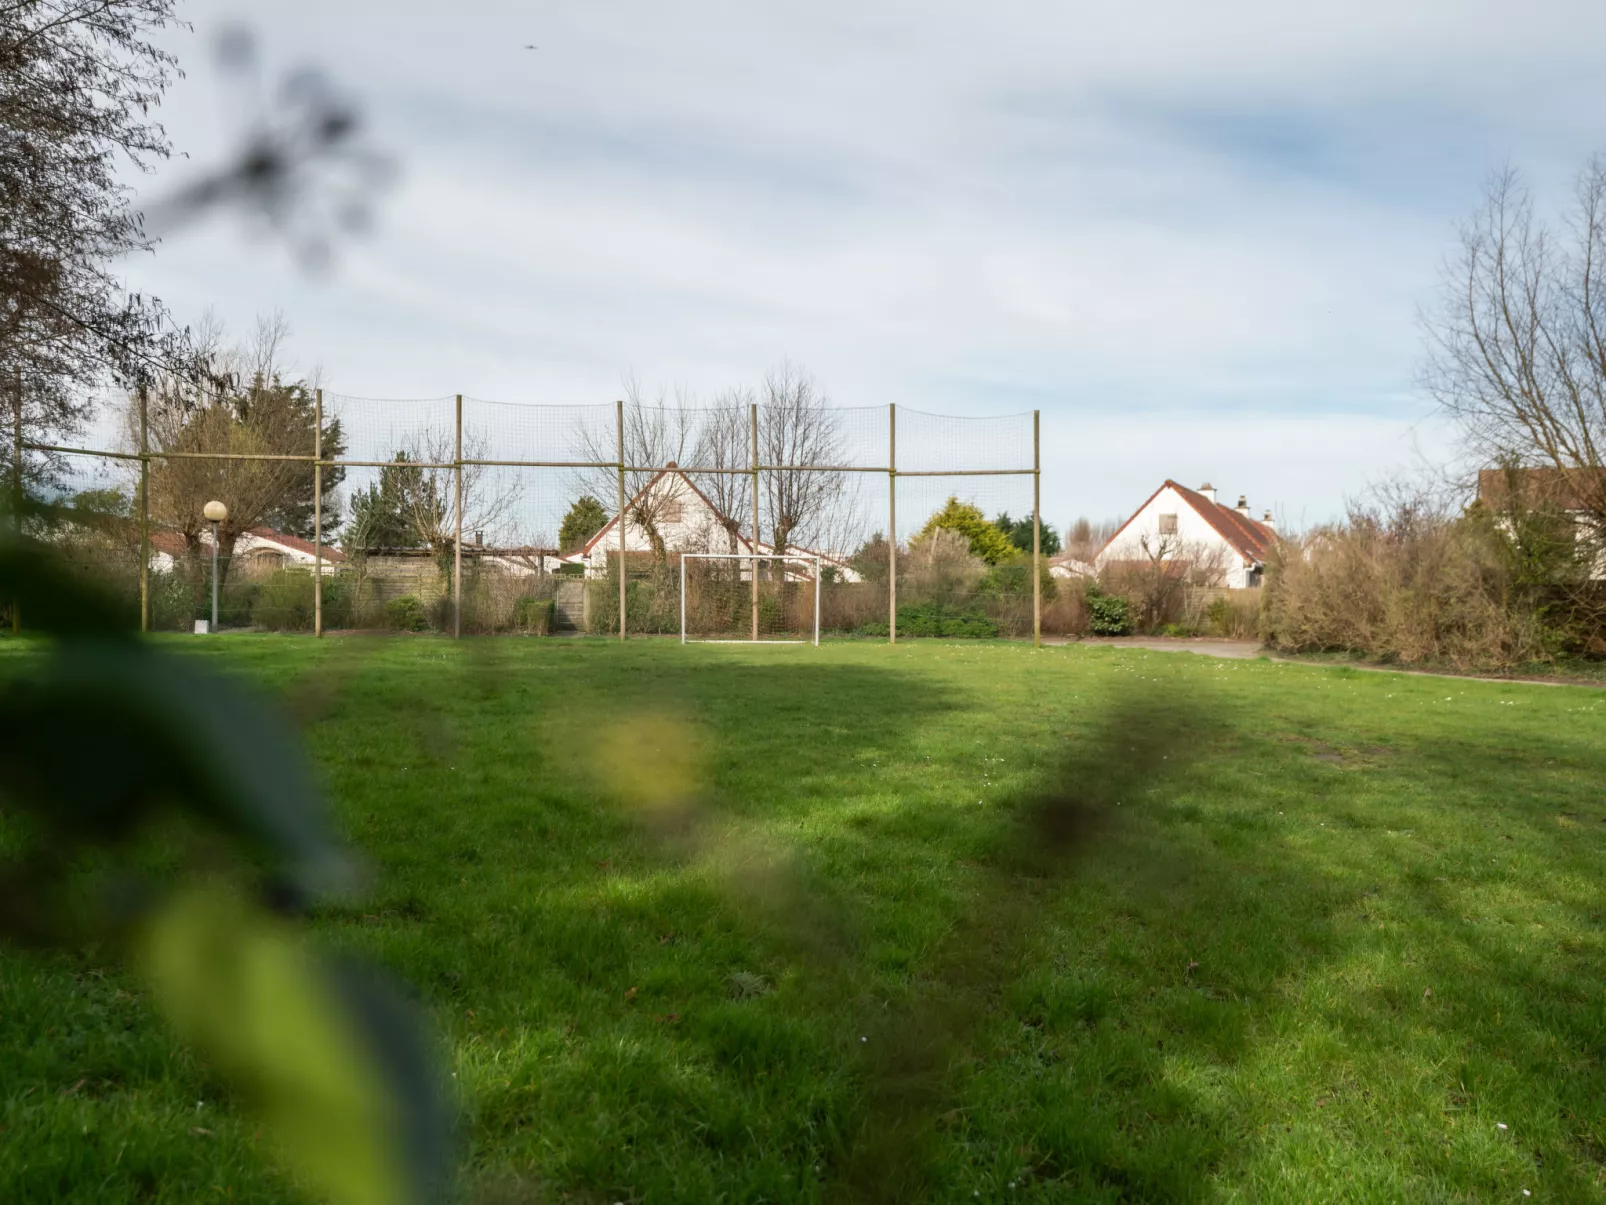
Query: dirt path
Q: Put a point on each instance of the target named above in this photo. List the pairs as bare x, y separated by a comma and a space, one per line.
1244, 650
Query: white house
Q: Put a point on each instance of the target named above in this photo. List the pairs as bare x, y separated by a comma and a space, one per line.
258, 550
685, 519
1189, 527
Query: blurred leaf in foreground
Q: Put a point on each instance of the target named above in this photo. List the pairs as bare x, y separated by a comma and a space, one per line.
104, 737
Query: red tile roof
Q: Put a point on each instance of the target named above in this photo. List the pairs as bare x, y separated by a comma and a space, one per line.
286, 540
167, 540
1251, 540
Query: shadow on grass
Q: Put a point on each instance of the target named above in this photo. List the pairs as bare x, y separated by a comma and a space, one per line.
1139, 911
866, 1088
920, 1056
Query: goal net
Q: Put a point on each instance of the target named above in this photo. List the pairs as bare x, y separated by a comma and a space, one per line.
744, 597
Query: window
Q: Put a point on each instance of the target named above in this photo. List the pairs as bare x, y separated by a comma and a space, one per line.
1168, 525
671, 511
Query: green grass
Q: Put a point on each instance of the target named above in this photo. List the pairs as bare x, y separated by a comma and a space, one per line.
942, 922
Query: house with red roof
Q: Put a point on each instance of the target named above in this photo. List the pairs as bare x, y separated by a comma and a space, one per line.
1190, 530
258, 550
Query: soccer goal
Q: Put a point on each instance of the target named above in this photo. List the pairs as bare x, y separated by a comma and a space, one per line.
750, 598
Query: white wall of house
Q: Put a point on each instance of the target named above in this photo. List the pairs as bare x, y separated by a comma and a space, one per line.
685, 521
259, 554
1192, 532
688, 522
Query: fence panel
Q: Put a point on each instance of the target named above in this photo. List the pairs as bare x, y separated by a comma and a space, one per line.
466, 514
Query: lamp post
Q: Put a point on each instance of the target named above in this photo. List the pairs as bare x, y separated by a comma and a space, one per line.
215, 512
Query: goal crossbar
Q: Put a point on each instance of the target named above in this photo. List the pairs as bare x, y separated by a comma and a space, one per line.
800, 557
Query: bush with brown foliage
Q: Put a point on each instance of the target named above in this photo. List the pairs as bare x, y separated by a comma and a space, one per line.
1408, 580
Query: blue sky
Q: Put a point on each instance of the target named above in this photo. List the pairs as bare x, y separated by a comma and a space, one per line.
1195, 236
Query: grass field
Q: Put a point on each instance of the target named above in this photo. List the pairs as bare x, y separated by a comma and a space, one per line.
940, 922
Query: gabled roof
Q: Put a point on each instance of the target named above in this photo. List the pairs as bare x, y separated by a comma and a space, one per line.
1246, 537
165, 539
585, 550
744, 543
295, 543
170, 542
1254, 540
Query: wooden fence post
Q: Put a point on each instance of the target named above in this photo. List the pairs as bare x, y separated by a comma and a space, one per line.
457, 536
1037, 531
752, 414
16, 487
892, 523
619, 422
317, 513
144, 510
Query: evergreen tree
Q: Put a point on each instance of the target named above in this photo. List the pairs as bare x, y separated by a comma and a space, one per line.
1019, 532
986, 541
584, 520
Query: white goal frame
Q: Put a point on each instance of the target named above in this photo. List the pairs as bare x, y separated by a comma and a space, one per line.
806, 558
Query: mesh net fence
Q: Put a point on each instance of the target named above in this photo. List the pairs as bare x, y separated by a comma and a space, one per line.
524, 502
749, 598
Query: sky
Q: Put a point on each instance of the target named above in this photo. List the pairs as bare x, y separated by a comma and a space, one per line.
1196, 237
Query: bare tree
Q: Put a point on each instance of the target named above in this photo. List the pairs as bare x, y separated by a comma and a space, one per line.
725, 441
426, 492
244, 402
807, 504
1169, 577
1517, 345
180, 486
657, 436
801, 495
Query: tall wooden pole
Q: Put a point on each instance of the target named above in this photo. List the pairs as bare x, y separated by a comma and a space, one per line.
457, 536
892, 523
144, 511
1037, 530
619, 420
317, 513
16, 486
752, 416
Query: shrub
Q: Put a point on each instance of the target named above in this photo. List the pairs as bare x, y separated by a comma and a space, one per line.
1015, 578
1406, 580
1235, 615
533, 615
1065, 614
652, 602
771, 613
283, 601
407, 614
849, 606
1108, 614
937, 619
982, 539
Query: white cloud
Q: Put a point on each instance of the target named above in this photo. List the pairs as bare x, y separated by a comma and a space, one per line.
1194, 235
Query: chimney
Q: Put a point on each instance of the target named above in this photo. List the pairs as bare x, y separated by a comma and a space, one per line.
1269, 522
479, 538
1208, 490
1243, 506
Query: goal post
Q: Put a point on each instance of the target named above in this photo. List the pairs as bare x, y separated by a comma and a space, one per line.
726, 597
